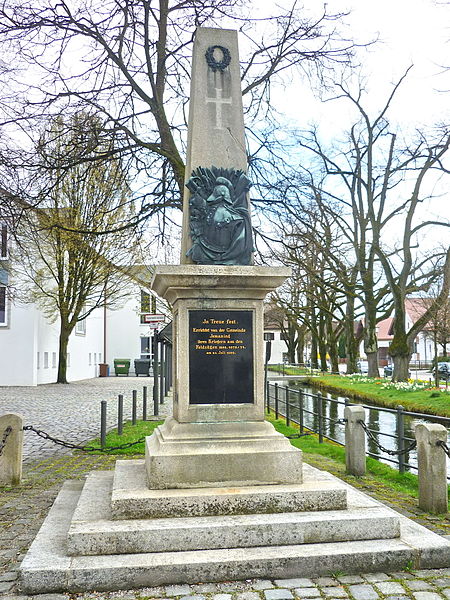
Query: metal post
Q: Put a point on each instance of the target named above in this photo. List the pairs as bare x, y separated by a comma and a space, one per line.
133, 407
144, 403
268, 396
300, 410
120, 414
276, 400
320, 416
161, 372
400, 437
155, 374
103, 423
288, 415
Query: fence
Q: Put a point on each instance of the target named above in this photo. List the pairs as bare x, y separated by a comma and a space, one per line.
323, 416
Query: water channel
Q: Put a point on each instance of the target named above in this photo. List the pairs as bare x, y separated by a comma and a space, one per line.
382, 422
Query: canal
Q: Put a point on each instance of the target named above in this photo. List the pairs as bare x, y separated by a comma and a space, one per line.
382, 422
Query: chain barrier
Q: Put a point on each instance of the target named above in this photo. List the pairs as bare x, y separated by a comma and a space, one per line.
444, 446
337, 421
72, 446
382, 448
6, 433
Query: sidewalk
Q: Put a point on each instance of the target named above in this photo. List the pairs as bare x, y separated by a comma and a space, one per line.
71, 412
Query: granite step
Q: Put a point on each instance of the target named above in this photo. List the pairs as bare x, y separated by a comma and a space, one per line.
132, 499
48, 568
92, 530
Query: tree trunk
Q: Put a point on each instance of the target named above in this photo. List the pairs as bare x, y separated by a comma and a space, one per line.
314, 363
62, 362
301, 348
401, 367
371, 343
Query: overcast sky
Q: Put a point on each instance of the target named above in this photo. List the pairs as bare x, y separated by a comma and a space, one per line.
410, 32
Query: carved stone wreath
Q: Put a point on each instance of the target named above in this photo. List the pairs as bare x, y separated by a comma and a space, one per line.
218, 65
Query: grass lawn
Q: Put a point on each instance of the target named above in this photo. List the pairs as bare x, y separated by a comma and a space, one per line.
413, 396
131, 434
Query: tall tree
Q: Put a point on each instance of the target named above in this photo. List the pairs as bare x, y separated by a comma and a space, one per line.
66, 268
129, 61
371, 175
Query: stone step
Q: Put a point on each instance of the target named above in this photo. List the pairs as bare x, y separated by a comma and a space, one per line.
93, 532
47, 567
131, 498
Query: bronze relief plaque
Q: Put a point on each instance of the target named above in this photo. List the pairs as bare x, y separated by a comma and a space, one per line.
221, 356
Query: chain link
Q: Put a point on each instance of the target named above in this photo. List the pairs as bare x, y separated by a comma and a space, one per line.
6, 433
444, 446
72, 446
382, 448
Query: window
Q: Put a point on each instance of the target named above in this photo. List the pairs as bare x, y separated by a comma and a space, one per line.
3, 315
3, 242
53, 360
80, 327
38, 361
90, 359
99, 357
95, 358
145, 347
45, 360
68, 359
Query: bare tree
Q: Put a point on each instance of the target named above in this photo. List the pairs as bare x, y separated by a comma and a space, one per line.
65, 268
129, 62
369, 175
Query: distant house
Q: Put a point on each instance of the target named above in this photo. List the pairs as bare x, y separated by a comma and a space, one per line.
423, 349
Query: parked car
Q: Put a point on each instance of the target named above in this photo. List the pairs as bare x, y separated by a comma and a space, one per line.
389, 371
363, 367
443, 369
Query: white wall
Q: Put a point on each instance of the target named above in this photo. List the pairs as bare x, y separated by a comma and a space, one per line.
18, 346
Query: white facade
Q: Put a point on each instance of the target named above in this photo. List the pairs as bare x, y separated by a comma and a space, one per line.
29, 341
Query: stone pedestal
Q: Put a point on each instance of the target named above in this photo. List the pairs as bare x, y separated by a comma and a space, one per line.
218, 436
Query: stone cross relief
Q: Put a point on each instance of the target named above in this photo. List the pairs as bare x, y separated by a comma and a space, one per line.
218, 101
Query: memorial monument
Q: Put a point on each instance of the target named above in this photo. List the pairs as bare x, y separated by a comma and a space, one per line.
220, 495
218, 435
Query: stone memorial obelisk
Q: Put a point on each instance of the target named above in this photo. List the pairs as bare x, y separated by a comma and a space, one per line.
217, 435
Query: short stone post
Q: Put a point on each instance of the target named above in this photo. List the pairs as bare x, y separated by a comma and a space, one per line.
355, 440
11, 456
432, 463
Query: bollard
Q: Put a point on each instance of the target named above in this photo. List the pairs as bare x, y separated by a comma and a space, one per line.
133, 407
11, 456
300, 411
432, 463
355, 441
144, 403
103, 423
120, 414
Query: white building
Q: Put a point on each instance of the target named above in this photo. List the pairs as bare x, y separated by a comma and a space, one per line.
29, 342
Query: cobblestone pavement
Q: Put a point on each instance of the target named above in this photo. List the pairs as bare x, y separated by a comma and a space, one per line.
23, 508
71, 412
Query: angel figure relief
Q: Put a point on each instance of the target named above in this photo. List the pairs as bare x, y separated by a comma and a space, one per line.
219, 217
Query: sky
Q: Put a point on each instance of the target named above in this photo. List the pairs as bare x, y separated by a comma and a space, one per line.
409, 32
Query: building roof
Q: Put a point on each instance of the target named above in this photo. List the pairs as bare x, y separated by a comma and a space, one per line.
385, 329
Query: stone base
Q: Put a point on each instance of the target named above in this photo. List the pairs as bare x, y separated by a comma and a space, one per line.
108, 554
245, 453
131, 498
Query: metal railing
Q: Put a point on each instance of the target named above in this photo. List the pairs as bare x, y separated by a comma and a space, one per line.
322, 415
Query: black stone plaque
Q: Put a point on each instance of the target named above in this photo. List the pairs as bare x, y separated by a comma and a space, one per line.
220, 356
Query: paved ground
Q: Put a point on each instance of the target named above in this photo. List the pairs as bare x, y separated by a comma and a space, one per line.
73, 411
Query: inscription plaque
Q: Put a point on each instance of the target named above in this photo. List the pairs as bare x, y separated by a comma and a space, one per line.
220, 356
